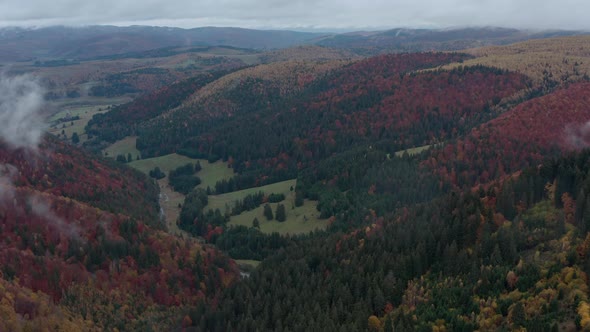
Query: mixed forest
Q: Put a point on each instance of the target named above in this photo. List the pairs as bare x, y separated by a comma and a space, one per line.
451, 192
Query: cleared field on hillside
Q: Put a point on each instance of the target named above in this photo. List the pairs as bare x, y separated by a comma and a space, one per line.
221, 201
76, 126
248, 262
303, 219
210, 173
170, 199
300, 220
124, 147
414, 151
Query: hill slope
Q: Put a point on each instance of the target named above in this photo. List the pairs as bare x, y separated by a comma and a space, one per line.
367, 101
549, 61
86, 233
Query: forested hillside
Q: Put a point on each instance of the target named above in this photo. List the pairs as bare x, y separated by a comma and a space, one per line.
123, 120
518, 138
367, 102
482, 230
84, 235
445, 191
455, 263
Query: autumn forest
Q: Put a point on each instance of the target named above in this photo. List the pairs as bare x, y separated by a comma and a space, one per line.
329, 184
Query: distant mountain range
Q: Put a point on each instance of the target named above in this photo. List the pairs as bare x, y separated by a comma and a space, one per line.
90, 42
416, 40
84, 43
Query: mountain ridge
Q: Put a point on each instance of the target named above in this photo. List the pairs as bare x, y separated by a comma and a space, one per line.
81, 43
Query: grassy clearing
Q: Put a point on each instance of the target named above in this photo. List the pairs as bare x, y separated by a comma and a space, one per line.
303, 219
166, 163
209, 173
248, 262
170, 200
221, 201
414, 151
300, 220
124, 147
88, 102
85, 108
77, 126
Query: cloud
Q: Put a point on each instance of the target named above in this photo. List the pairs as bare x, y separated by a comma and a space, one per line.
21, 124
578, 135
541, 14
41, 209
37, 204
7, 174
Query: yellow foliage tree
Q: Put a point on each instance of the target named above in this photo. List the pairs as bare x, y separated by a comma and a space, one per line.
374, 323
584, 312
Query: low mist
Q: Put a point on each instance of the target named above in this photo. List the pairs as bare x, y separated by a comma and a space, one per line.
40, 207
7, 173
578, 136
21, 99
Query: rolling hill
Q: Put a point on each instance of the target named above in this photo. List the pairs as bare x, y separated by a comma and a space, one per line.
84, 43
550, 61
84, 235
451, 190
367, 101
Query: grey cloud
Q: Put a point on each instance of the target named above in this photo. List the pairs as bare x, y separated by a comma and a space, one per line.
7, 174
41, 209
21, 98
540, 14
578, 135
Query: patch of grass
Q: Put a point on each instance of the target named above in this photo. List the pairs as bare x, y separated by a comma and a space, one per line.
170, 199
210, 173
248, 262
300, 220
415, 151
166, 163
221, 201
90, 101
124, 147
84, 112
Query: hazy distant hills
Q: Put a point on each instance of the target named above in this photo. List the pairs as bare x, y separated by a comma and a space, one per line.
83, 43
417, 40
96, 41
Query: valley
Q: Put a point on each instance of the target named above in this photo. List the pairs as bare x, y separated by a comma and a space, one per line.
401, 180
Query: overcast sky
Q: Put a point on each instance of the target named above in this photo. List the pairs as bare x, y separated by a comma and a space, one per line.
301, 14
